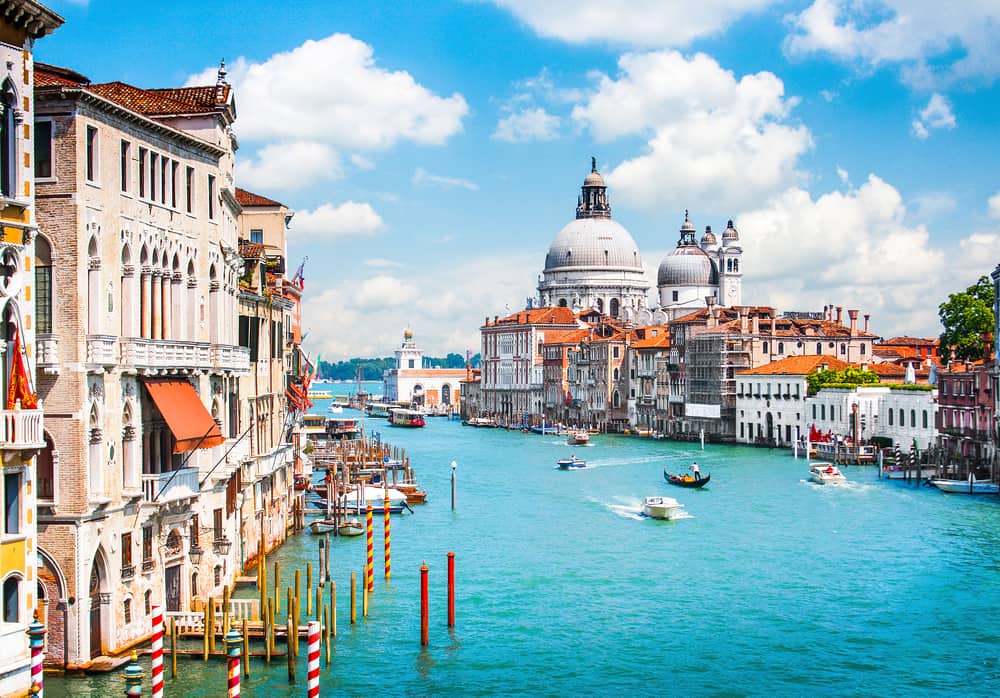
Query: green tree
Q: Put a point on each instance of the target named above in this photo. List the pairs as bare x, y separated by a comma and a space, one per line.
852, 375
967, 318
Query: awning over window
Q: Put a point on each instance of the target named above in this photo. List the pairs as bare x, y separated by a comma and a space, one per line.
189, 421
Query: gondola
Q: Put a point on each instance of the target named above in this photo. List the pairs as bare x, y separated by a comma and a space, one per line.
680, 481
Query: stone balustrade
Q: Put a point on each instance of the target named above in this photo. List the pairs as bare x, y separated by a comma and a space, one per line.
160, 488
22, 429
102, 350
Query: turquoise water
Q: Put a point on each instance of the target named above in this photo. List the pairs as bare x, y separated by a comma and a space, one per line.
770, 586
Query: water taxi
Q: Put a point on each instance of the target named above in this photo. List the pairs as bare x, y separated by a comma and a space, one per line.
661, 507
579, 438
314, 427
342, 428
826, 474
400, 417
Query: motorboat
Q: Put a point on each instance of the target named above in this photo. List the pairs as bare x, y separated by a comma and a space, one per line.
335, 409
826, 474
686, 480
579, 438
661, 507
485, 422
968, 486
571, 463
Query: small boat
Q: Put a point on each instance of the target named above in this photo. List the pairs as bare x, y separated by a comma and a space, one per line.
826, 474
543, 429
967, 486
660, 507
484, 422
571, 463
414, 495
301, 482
322, 525
351, 527
579, 438
400, 417
335, 409
686, 480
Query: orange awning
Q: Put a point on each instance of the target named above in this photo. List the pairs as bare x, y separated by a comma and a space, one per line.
189, 421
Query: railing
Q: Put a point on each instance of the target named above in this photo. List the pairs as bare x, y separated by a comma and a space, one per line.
46, 350
102, 350
647, 400
231, 358
194, 621
128, 571
164, 353
148, 565
169, 486
21, 429
646, 372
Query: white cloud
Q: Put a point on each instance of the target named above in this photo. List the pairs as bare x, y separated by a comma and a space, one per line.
332, 91
443, 303
422, 176
845, 178
380, 263
931, 204
527, 125
361, 162
855, 249
713, 139
937, 114
329, 221
933, 44
828, 95
288, 166
647, 23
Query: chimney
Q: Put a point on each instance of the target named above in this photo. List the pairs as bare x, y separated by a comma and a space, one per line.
744, 321
867, 318
853, 314
709, 301
496, 319
756, 325
710, 320
840, 312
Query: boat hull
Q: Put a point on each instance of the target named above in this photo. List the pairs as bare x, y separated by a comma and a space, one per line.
966, 486
322, 526
679, 480
571, 464
663, 508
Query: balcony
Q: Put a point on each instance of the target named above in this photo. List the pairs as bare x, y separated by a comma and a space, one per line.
227, 357
47, 353
21, 430
646, 373
102, 351
161, 488
647, 400
128, 571
153, 355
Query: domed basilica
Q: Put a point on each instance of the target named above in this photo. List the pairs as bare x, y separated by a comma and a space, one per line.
594, 263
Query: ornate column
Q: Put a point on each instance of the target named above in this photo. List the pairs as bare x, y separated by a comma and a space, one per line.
146, 281
176, 307
165, 306
157, 305
126, 303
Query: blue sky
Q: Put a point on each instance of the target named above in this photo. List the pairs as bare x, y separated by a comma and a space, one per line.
432, 150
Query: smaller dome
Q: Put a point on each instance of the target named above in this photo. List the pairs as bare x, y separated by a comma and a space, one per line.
407, 334
687, 265
709, 237
687, 226
730, 234
594, 179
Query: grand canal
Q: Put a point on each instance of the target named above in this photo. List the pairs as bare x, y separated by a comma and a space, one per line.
769, 586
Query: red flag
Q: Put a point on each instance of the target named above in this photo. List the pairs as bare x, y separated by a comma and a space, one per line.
20, 386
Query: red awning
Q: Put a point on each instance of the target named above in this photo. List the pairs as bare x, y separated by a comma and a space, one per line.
189, 421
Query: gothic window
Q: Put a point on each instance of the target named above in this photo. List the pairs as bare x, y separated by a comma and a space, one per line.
11, 599
614, 307
8, 140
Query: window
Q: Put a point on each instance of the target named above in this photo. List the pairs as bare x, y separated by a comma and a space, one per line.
863, 349
211, 197
43, 149
91, 154
819, 347
127, 554
11, 600
174, 168
12, 503
814, 410
154, 161
217, 576
43, 287
913, 418
925, 419
8, 141
741, 429
217, 521
257, 236
674, 296
615, 352
164, 169
411, 363
147, 544
843, 348
763, 347
127, 609
148, 597
189, 189
822, 411
890, 416
126, 166
143, 154
781, 347
902, 417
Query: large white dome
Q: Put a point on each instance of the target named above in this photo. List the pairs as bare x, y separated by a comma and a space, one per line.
593, 243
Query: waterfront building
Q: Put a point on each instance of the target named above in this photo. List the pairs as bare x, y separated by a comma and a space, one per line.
897, 413
966, 409
593, 262
409, 382
923, 349
556, 393
25, 298
268, 310
647, 357
511, 351
471, 405
693, 272
140, 367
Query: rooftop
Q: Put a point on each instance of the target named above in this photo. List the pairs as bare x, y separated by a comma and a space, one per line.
249, 199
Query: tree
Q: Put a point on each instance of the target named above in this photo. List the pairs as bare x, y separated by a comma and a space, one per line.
967, 318
852, 375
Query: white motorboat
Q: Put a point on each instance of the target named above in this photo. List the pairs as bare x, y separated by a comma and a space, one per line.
826, 474
335, 409
660, 507
967, 486
571, 463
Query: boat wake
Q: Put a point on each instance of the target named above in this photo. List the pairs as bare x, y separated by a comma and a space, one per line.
625, 507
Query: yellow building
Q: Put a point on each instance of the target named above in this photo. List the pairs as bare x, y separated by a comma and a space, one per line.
21, 427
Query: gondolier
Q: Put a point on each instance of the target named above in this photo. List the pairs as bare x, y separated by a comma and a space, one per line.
694, 469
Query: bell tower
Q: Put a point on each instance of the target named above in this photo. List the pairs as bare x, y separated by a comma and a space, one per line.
408, 355
731, 268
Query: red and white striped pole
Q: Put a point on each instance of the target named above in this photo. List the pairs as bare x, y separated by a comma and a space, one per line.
370, 569
156, 664
234, 645
36, 640
312, 660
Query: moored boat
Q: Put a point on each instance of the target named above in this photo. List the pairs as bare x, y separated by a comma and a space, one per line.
571, 463
686, 480
661, 507
826, 474
322, 525
480, 422
579, 438
351, 527
400, 417
967, 486
342, 427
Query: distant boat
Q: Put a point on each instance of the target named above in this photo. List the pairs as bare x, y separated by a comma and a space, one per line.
480, 422
967, 486
335, 409
400, 417
579, 438
320, 395
661, 507
571, 463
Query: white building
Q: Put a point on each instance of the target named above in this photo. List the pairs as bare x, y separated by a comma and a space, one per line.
594, 262
908, 413
410, 382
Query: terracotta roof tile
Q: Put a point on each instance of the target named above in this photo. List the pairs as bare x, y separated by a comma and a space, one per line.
53, 75
538, 316
797, 366
248, 198
905, 341
251, 250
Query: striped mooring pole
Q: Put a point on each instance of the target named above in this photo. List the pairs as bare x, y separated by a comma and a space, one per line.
312, 660
234, 645
388, 555
133, 676
370, 568
36, 640
156, 663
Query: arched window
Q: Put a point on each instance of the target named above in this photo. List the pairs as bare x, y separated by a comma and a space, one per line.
902, 417
925, 419
43, 286
819, 347
613, 307
148, 599
600, 305
562, 302
8, 140
93, 287
913, 418
616, 374
890, 416
729, 265
615, 399
843, 348
12, 599
781, 347
217, 575
822, 411
194, 584
763, 347
127, 609
736, 265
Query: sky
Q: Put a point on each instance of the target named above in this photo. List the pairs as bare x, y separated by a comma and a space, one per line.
432, 150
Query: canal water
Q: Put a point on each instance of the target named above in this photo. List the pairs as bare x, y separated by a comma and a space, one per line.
769, 585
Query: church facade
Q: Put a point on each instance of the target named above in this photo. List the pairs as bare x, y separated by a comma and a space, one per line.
409, 382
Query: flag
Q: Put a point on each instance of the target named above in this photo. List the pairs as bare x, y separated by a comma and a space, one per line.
20, 383
299, 279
